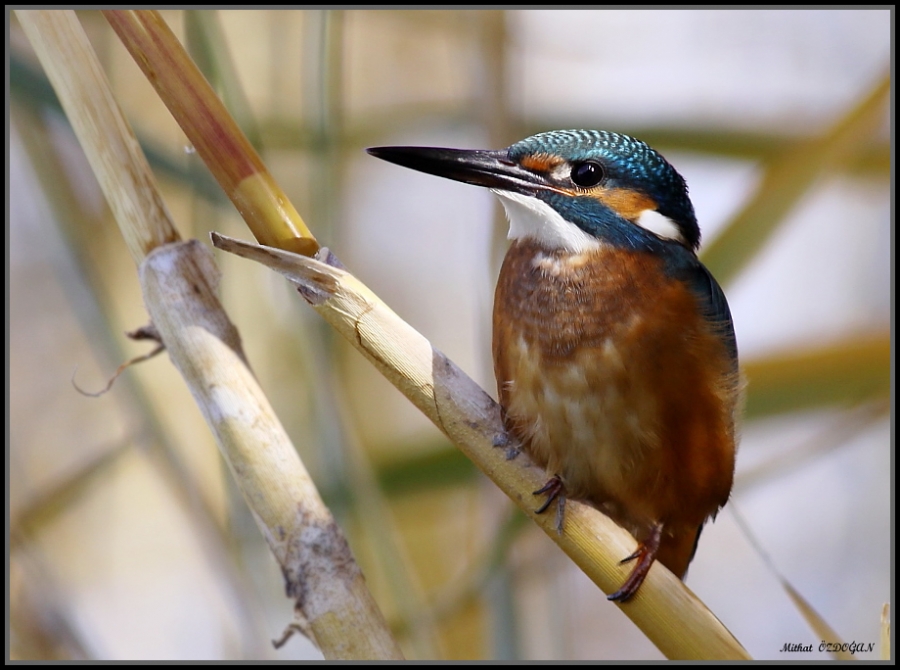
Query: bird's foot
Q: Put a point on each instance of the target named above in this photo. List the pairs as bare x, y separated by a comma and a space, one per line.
645, 555
555, 490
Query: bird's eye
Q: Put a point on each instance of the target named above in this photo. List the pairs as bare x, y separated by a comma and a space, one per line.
588, 174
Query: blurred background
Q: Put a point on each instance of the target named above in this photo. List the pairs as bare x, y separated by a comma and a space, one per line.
128, 538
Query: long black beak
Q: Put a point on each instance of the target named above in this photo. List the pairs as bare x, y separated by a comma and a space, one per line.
492, 169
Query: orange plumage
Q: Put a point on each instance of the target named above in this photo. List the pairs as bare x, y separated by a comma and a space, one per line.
612, 380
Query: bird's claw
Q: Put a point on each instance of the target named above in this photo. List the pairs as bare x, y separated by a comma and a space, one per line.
555, 490
645, 555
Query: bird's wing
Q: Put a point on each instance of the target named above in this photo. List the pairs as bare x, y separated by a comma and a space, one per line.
714, 305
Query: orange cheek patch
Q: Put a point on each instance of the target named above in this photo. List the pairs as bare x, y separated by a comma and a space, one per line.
627, 203
540, 162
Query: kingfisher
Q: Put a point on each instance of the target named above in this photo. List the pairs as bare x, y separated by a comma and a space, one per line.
613, 346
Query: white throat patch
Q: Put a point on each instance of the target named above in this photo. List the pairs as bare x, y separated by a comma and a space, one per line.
530, 217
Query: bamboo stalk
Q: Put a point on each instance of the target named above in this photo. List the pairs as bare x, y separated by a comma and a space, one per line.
211, 129
333, 605
789, 177
179, 281
105, 135
671, 616
845, 373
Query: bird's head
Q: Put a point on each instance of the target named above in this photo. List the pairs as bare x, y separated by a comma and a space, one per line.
573, 189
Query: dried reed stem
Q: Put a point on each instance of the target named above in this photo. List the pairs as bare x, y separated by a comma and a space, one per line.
179, 281
218, 140
671, 616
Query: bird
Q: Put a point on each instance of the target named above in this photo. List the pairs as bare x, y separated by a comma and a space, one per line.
613, 345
